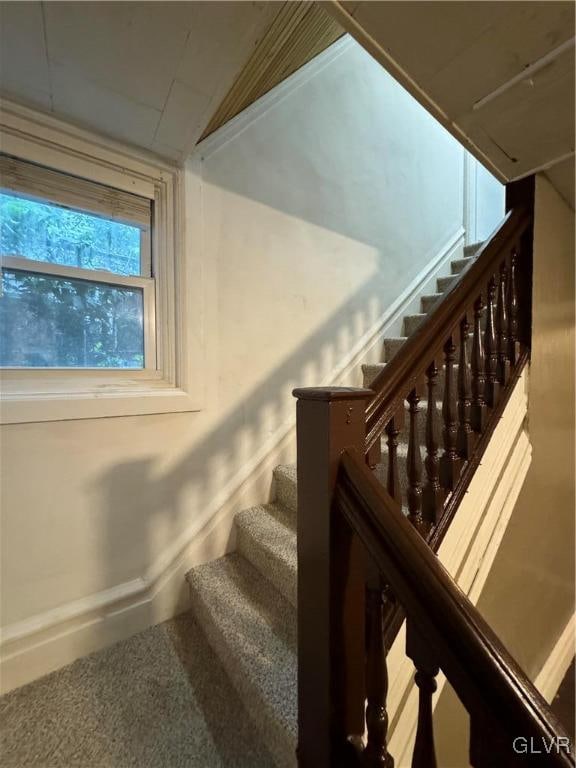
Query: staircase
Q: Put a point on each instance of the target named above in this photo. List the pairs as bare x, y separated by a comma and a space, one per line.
246, 601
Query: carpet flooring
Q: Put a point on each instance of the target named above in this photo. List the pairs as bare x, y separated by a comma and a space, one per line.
158, 700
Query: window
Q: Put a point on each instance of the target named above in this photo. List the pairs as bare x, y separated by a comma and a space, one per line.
77, 283
102, 264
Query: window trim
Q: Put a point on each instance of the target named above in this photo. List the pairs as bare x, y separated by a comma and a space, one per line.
177, 383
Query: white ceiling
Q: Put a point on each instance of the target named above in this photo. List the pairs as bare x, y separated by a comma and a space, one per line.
150, 73
451, 55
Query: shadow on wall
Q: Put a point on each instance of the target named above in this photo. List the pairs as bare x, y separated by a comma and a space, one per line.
300, 183
203, 478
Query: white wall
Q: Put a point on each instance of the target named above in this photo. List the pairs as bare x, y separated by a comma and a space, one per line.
484, 203
316, 216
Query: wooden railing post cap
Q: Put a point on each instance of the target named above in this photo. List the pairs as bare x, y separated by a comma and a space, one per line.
329, 394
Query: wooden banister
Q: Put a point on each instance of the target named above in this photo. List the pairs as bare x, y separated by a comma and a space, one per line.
407, 367
366, 539
494, 690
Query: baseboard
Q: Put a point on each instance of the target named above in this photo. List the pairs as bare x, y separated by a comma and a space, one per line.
467, 552
552, 673
48, 641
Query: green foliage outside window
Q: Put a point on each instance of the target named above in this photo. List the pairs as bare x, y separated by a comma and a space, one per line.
52, 321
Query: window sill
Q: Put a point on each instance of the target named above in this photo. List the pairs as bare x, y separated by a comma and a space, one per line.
77, 398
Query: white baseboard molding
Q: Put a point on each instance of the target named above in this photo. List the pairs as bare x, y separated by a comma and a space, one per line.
552, 673
467, 552
45, 642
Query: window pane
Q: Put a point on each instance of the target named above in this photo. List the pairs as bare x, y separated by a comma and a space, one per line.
61, 323
47, 232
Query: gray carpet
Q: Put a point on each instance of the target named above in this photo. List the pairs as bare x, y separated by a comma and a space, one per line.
158, 700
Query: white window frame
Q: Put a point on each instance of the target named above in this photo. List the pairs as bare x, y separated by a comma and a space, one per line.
145, 284
174, 384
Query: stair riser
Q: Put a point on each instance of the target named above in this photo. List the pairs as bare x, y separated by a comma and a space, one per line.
446, 283
411, 323
472, 250
460, 265
285, 491
277, 571
391, 347
429, 302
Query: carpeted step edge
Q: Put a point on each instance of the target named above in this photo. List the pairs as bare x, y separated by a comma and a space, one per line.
266, 537
225, 594
284, 488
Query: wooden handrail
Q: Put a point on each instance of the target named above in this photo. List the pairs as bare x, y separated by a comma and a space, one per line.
481, 671
409, 364
355, 585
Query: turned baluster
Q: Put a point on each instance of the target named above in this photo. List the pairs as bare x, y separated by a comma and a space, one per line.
512, 301
490, 348
414, 465
433, 495
503, 369
478, 409
449, 463
376, 753
393, 477
465, 431
424, 755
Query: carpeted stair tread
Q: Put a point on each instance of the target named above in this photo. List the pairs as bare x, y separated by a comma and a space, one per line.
252, 627
266, 537
285, 486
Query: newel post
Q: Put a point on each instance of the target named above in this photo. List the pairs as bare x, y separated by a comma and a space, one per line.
331, 648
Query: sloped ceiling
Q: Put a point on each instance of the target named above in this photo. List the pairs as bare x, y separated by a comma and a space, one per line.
156, 74
300, 31
465, 61
150, 73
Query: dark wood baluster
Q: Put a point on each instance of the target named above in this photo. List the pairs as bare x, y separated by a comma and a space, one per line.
490, 348
450, 462
414, 465
393, 478
466, 436
424, 755
478, 409
433, 495
512, 301
503, 370
376, 753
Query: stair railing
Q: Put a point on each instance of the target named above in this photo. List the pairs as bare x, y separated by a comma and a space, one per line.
348, 608
479, 337
510, 723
